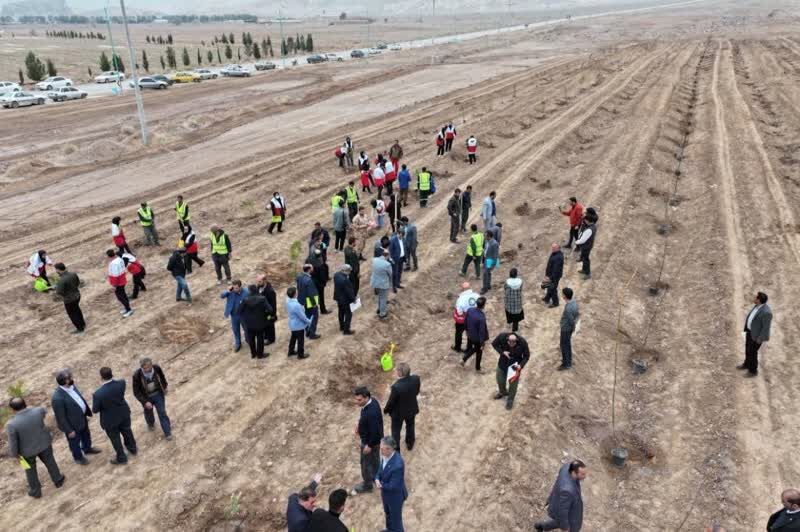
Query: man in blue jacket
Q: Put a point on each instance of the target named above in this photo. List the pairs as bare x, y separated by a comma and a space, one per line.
301, 506
565, 504
477, 333
308, 296
391, 481
298, 321
233, 297
369, 432
115, 415
404, 182
72, 415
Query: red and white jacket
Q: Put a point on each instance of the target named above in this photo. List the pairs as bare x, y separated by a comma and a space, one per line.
117, 235
378, 176
365, 178
116, 272
190, 242
450, 133
389, 171
134, 266
439, 139
472, 145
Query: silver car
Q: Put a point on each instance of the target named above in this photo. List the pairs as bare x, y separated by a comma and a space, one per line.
20, 99
265, 65
9, 86
150, 83
110, 77
67, 93
205, 73
53, 82
235, 71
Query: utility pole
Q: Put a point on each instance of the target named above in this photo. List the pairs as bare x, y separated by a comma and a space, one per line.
113, 52
136, 89
368, 30
280, 21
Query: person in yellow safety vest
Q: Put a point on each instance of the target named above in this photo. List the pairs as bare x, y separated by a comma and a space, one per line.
182, 210
148, 221
221, 250
335, 200
352, 199
424, 186
474, 252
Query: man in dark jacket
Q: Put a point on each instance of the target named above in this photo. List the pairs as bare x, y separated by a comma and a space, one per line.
351, 259
344, 295
466, 205
398, 254
553, 273
329, 520
68, 289
757, 326
150, 389
308, 296
787, 519
253, 312
369, 432
402, 405
177, 267
72, 412
514, 353
301, 505
115, 415
477, 333
454, 212
265, 289
320, 275
565, 504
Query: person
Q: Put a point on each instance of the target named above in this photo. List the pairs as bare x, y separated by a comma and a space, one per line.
365, 177
150, 388
253, 311
390, 479
424, 186
474, 252
233, 297
308, 296
467, 299
352, 260
221, 251
392, 209
192, 248
575, 214
756, 331
29, 439
390, 175
369, 432
341, 221
381, 245
137, 271
319, 274
395, 153
301, 506
344, 295
378, 178
440, 143
278, 207
454, 212
352, 199
497, 232
404, 183
265, 289
147, 219
118, 279
341, 154
298, 322
320, 238
381, 281
514, 354
330, 520
466, 205
359, 230
398, 254
410, 244
348, 151
118, 236
585, 241
569, 322
177, 267
512, 300
489, 211
491, 260
565, 504
449, 137
68, 289
472, 149
336, 200
402, 406
37, 266
787, 519
378, 211
115, 415
477, 333
72, 415
182, 212
552, 275
363, 160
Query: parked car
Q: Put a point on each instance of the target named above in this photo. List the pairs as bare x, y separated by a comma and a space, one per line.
111, 76
235, 71
20, 99
265, 65
382, 46
53, 82
205, 73
66, 93
186, 77
162, 77
150, 83
373, 51
314, 59
9, 86
333, 57
395, 47
357, 54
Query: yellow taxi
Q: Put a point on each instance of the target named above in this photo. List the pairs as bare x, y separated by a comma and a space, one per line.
185, 77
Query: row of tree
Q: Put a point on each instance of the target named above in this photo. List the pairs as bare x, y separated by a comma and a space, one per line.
132, 19
72, 34
159, 40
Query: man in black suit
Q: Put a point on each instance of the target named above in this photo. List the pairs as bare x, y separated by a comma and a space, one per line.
72, 412
265, 289
402, 404
369, 432
756, 330
787, 519
553, 273
344, 294
115, 415
330, 520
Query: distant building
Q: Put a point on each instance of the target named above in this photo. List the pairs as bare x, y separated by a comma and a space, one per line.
160, 21
35, 8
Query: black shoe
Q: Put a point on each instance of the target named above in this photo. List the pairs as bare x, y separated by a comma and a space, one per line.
499, 395
301, 356
237, 349
400, 286
410, 446
538, 528
116, 461
741, 366
134, 452
509, 405
751, 374
134, 297
60, 482
563, 368
552, 305
82, 461
315, 337
325, 312
92, 450
291, 354
456, 349
151, 427
35, 495
362, 488
347, 333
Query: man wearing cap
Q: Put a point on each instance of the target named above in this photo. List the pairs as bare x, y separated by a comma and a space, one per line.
344, 294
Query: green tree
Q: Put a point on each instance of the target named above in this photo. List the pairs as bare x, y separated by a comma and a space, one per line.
228, 52
224, 39
147, 39
169, 38
145, 62
105, 66
117, 64
291, 47
219, 57
264, 47
199, 58
210, 56
309, 43
230, 38
51, 68
185, 57
21, 78
239, 52
256, 51
89, 70
244, 38
163, 65
284, 50
35, 68
171, 61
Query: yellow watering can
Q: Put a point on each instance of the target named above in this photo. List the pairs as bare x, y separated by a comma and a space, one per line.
387, 362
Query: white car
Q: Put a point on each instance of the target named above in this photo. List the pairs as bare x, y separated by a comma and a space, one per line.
374, 51
395, 47
109, 77
235, 71
20, 99
9, 86
54, 82
66, 93
150, 83
206, 73
334, 57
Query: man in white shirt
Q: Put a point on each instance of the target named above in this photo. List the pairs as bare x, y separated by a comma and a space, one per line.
72, 412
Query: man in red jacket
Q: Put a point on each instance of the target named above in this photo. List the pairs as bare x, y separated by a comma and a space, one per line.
118, 279
575, 213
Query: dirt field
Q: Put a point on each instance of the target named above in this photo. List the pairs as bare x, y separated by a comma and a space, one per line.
680, 126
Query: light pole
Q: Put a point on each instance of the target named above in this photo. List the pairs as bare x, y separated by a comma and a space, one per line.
113, 52
136, 89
